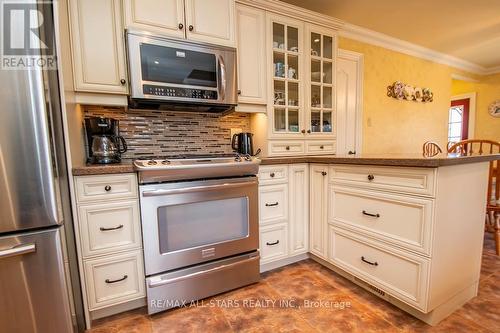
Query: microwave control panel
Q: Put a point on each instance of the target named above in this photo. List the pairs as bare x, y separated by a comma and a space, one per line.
179, 92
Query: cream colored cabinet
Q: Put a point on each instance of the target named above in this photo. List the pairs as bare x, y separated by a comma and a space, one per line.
318, 210
98, 47
299, 208
211, 21
162, 16
251, 40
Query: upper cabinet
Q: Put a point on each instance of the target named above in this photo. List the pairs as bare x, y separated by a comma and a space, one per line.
210, 21
251, 56
163, 16
98, 46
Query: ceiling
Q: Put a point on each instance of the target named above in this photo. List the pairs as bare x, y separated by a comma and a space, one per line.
466, 29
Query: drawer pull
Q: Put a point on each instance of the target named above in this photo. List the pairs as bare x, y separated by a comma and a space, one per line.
111, 229
371, 177
107, 188
287, 147
115, 281
369, 262
369, 214
321, 147
271, 204
323, 173
275, 243
272, 174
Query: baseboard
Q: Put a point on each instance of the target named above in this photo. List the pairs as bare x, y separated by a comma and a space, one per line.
283, 262
432, 318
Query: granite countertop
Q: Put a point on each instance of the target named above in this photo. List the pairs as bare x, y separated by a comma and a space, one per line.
404, 160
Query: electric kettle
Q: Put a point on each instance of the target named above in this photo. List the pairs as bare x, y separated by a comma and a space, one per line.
242, 143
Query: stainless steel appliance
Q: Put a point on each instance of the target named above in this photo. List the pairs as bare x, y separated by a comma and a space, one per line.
104, 142
34, 199
200, 227
178, 74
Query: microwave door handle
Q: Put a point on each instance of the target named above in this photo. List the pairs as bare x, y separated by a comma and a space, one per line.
222, 88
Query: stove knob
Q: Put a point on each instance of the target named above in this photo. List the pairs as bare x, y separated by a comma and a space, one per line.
237, 158
152, 162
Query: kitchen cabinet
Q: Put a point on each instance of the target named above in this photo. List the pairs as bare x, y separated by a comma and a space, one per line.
98, 48
251, 39
211, 21
162, 16
318, 210
299, 208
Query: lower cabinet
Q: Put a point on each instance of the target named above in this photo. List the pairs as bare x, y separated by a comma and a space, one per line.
318, 210
283, 210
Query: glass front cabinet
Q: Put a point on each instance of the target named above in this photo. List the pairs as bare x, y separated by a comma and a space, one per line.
301, 106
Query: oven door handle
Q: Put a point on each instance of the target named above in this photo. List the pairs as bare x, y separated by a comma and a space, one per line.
222, 89
160, 282
155, 193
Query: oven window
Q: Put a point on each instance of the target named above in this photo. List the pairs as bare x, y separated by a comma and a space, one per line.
201, 223
178, 66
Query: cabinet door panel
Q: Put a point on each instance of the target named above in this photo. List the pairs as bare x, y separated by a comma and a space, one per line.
251, 55
98, 46
211, 21
318, 218
163, 16
299, 208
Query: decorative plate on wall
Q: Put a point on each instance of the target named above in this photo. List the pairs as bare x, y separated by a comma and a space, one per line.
494, 108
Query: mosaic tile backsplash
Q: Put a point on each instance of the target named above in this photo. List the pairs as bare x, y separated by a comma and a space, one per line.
163, 133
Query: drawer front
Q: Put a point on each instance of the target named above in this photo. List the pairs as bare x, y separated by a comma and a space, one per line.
399, 220
320, 147
401, 179
273, 174
402, 275
108, 187
273, 243
114, 279
109, 227
286, 148
273, 203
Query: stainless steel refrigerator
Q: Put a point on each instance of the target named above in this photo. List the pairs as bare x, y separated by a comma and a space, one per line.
34, 195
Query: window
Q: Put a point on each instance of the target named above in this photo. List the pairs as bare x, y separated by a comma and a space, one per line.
455, 123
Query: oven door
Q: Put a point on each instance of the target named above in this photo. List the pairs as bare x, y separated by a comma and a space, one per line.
187, 223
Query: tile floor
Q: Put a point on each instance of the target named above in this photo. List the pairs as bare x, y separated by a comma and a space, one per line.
352, 309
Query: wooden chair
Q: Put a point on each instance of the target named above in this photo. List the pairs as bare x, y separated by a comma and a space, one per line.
480, 147
431, 149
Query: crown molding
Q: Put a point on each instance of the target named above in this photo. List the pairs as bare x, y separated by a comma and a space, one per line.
300, 13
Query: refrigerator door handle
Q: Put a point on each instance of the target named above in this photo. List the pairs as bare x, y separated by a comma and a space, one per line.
18, 250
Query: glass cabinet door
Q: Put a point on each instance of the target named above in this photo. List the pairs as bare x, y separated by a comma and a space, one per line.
287, 76
322, 93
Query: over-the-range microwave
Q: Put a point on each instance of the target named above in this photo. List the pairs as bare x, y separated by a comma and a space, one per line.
174, 74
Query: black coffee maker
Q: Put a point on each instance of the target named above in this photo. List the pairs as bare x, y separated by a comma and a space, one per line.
242, 143
104, 143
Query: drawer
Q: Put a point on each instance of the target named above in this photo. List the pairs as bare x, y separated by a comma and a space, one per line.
109, 227
273, 243
395, 179
108, 187
320, 147
402, 275
273, 203
115, 279
273, 174
397, 219
286, 148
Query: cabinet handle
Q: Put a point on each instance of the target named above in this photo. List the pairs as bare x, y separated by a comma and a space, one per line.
181, 26
287, 147
111, 229
321, 147
323, 173
369, 262
352, 152
122, 81
303, 131
371, 177
239, 92
275, 243
372, 215
271, 204
191, 28
308, 131
272, 174
114, 281
107, 188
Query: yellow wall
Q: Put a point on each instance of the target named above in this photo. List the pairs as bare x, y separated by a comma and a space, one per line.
394, 126
487, 90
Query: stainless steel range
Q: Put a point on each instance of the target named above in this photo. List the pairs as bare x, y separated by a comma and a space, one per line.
200, 226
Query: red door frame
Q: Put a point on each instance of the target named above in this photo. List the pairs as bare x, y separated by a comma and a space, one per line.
465, 118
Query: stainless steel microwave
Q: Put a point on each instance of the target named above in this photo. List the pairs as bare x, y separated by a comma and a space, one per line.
177, 74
